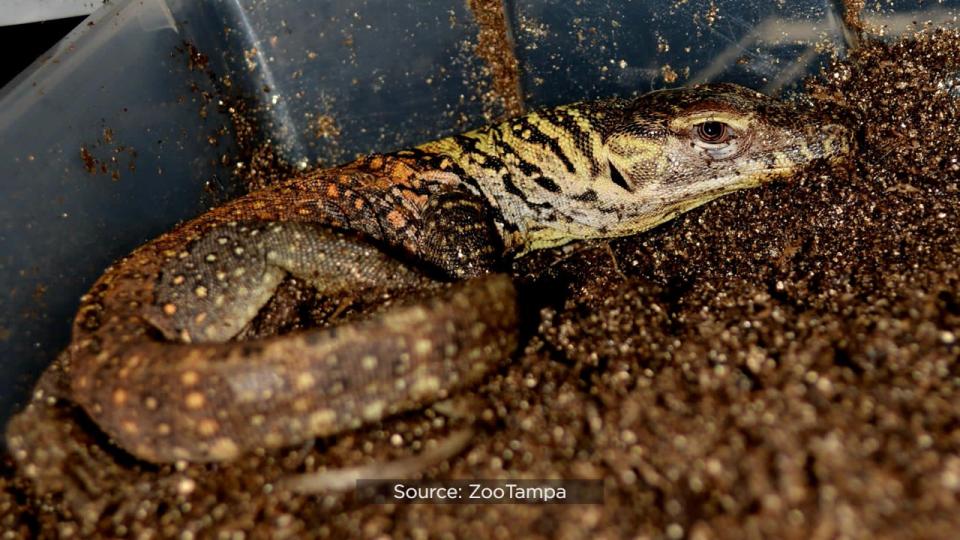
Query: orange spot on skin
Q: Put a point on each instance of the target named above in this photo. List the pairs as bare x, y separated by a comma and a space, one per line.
358, 203
195, 400
396, 219
119, 396
333, 192
401, 172
189, 378
169, 309
207, 427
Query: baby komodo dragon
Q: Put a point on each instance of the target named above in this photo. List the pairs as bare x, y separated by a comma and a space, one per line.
152, 360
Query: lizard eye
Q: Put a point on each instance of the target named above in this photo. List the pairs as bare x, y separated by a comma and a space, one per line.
716, 140
713, 132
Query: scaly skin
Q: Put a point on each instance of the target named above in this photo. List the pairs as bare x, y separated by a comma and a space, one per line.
151, 359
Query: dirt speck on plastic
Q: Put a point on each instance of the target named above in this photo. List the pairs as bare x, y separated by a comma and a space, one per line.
495, 48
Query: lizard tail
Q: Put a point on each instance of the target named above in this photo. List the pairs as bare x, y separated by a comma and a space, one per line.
212, 402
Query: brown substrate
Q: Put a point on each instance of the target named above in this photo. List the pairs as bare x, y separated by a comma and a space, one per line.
781, 363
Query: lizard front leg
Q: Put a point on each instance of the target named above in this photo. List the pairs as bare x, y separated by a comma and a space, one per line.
219, 283
457, 234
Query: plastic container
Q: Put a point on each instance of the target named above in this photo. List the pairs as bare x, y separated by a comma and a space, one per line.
28, 11
118, 132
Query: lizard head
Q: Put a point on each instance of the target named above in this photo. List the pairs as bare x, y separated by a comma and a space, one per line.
666, 152
674, 150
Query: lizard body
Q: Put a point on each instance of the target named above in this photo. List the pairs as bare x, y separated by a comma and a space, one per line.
151, 358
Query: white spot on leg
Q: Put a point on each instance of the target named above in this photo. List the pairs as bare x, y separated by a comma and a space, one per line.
426, 386
305, 381
374, 410
422, 346
321, 421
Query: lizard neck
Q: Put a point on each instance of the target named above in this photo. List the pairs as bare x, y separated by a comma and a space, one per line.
535, 170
